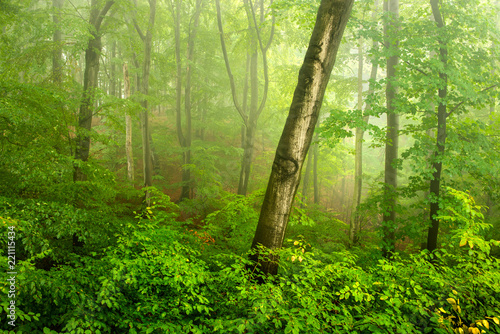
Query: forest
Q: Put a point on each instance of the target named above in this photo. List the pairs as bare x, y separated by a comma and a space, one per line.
249, 166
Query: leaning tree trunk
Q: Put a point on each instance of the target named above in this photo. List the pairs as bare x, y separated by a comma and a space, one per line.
298, 131
89, 86
442, 115
315, 170
392, 136
305, 184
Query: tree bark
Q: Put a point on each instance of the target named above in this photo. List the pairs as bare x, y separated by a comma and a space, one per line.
437, 164
305, 184
185, 136
297, 134
315, 171
391, 147
186, 173
128, 127
89, 86
146, 156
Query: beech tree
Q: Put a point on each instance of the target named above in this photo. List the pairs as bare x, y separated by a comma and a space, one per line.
391, 7
185, 135
144, 89
297, 134
90, 84
354, 224
249, 115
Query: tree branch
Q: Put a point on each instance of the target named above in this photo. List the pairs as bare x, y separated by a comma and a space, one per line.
102, 14
138, 29
264, 59
244, 117
458, 105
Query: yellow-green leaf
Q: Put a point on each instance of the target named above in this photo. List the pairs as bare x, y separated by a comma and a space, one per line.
451, 301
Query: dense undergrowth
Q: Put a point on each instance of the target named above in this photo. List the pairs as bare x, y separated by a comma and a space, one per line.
89, 268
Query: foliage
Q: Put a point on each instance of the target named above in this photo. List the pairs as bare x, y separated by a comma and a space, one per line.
156, 276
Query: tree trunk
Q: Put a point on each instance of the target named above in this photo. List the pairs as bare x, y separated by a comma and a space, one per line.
184, 136
391, 146
186, 173
299, 129
128, 127
305, 184
354, 226
437, 164
57, 39
315, 171
146, 156
249, 119
249, 139
89, 86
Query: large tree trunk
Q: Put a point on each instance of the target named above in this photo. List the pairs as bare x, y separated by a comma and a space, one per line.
128, 127
89, 86
437, 164
391, 146
299, 129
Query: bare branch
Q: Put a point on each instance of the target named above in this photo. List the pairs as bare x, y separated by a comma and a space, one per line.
264, 59
244, 117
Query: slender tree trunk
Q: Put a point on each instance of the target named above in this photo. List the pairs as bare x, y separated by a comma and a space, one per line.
354, 226
128, 127
358, 157
184, 136
176, 12
251, 125
203, 116
442, 115
249, 119
245, 111
90, 83
392, 136
186, 174
299, 129
146, 156
112, 83
57, 39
